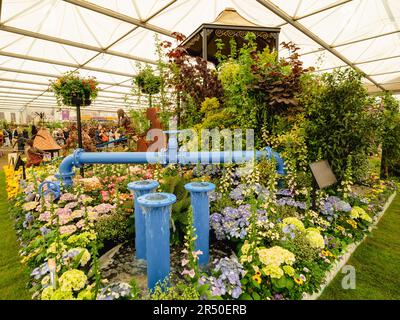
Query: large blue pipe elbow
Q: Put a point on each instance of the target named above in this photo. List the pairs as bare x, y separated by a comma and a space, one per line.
65, 171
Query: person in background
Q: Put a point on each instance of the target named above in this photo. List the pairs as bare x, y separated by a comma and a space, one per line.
117, 135
19, 143
34, 131
14, 135
66, 133
111, 137
97, 135
25, 134
103, 136
6, 135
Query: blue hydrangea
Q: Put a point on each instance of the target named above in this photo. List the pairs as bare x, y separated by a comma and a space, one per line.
289, 201
226, 279
332, 205
233, 222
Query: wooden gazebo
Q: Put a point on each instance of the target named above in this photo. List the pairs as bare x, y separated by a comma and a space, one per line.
229, 24
45, 142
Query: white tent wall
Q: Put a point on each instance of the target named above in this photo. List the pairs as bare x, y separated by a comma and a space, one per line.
41, 39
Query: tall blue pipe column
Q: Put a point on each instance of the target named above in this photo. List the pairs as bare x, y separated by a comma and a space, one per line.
140, 188
156, 209
201, 216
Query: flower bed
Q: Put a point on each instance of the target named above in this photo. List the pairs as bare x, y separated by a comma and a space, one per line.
281, 248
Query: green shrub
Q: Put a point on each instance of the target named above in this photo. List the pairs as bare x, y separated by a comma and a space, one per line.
337, 120
114, 228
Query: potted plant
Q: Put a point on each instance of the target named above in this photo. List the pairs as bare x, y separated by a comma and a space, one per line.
148, 82
72, 89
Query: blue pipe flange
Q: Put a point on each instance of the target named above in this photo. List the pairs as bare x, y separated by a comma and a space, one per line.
77, 162
52, 188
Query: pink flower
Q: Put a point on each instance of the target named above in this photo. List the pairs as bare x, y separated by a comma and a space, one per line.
190, 273
185, 262
80, 224
195, 254
45, 216
148, 175
67, 229
105, 195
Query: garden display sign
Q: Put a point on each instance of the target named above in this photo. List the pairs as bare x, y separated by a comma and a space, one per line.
323, 173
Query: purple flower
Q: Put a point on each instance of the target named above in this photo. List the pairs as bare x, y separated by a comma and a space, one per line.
233, 222
236, 292
284, 192
288, 201
44, 230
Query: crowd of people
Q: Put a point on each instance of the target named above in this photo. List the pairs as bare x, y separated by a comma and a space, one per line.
16, 137
97, 134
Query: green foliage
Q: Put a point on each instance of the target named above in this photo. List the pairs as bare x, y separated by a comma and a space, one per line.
390, 136
72, 84
113, 228
301, 247
337, 121
181, 290
180, 218
139, 120
148, 82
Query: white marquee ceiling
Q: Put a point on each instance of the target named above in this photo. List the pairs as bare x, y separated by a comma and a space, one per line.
40, 39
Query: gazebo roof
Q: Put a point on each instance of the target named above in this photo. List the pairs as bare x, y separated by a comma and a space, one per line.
231, 17
228, 24
44, 141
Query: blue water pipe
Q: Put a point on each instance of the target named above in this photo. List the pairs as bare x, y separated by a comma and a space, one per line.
140, 188
201, 216
80, 157
157, 210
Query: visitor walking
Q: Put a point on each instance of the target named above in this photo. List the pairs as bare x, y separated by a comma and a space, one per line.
6, 135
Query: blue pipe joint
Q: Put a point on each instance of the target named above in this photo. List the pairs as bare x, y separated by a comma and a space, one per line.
140, 188
172, 145
201, 216
52, 188
279, 161
156, 208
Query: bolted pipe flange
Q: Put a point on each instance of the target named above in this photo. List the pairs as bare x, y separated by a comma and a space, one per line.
76, 155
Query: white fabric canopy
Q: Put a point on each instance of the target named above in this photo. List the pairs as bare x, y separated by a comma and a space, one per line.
40, 39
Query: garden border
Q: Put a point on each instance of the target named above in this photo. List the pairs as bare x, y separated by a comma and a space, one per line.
338, 265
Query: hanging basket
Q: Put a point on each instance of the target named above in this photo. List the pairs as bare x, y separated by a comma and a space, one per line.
81, 101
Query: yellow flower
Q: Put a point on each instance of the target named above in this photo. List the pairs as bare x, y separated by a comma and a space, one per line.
256, 278
273, 271
352, 223
298, 281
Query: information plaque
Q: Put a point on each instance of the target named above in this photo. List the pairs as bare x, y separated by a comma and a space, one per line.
323, 174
